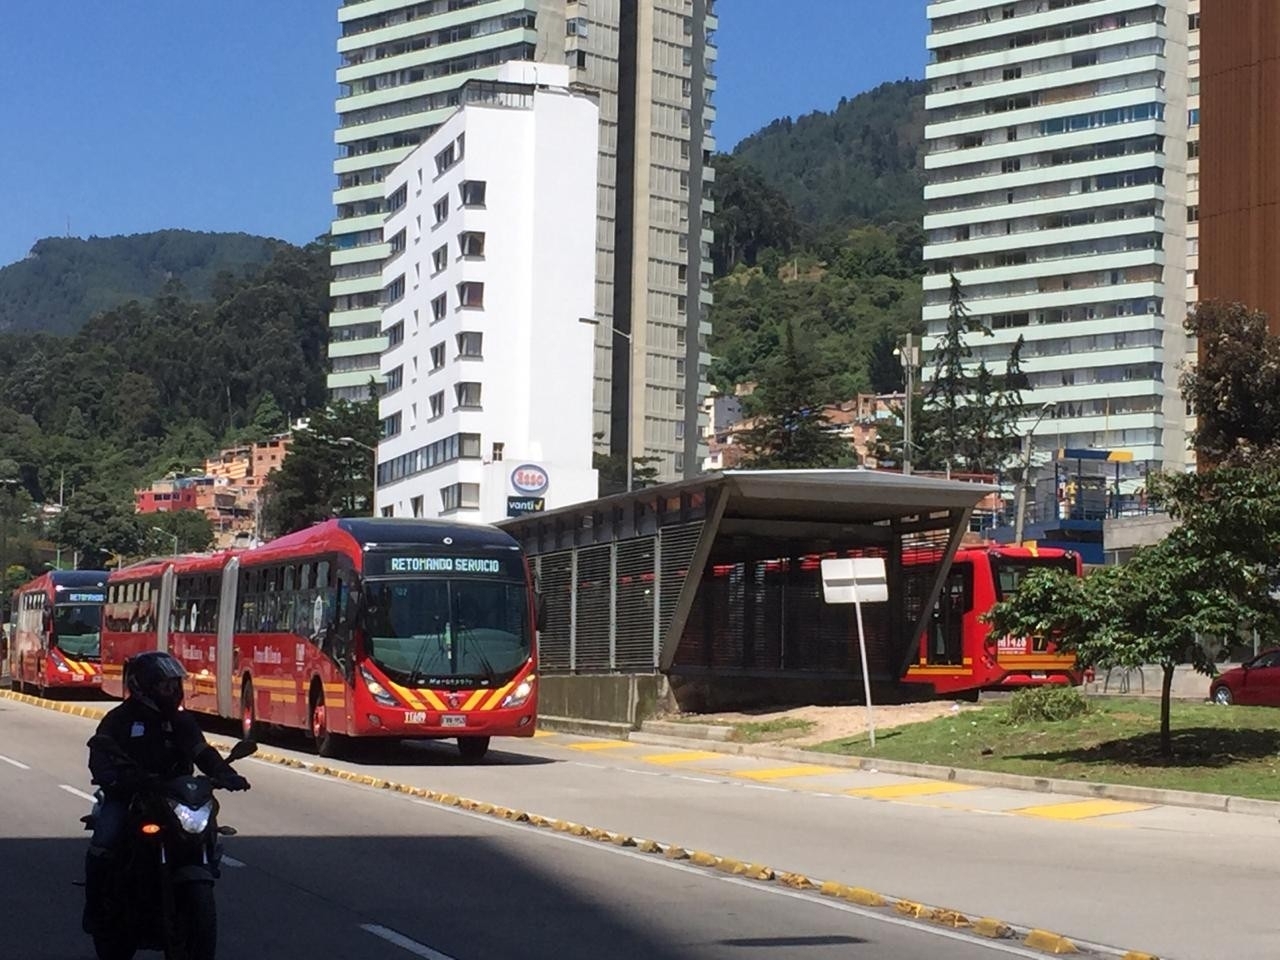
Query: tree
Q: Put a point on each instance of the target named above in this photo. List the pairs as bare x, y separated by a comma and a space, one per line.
750, 216
790, 430
644, 472
948, 390
268, 418
193, 529
97, 522
1234, 389
884, 366
323, 476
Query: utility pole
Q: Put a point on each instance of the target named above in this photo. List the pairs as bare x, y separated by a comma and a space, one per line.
1024, 486
907, 354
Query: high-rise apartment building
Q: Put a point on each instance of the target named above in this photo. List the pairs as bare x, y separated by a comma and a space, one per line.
486, 410
1193, 194
649, 65
1056, 193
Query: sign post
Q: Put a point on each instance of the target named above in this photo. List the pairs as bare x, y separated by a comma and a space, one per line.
857, 580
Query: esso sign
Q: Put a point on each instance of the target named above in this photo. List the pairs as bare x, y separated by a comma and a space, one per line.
530, 478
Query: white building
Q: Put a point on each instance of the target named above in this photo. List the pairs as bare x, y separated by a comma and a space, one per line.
490, 278
650, 64
1056, 173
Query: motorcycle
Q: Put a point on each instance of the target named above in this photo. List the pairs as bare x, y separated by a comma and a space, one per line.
161, 893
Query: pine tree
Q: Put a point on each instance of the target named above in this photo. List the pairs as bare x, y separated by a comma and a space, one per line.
790, 430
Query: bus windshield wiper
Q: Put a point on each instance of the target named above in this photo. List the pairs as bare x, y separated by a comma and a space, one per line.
468, 633
415, 674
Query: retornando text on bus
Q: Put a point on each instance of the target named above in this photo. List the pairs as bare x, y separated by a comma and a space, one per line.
443, 565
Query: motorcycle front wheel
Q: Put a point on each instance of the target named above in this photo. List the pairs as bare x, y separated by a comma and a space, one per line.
113, 948
195, 922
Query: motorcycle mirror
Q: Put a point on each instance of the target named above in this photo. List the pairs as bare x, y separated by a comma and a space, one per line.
245, 748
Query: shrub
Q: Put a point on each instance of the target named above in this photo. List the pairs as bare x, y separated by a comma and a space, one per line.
1047, 703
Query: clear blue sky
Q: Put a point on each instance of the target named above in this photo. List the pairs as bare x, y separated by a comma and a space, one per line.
133, 115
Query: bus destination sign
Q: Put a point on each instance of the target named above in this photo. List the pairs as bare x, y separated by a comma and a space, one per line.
398, 564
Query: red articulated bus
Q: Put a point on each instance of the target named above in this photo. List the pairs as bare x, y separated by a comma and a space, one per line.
392, 628
57, 624
958, 653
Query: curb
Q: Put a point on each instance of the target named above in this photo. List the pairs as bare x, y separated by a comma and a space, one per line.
588, 728
981, 778
1032, 938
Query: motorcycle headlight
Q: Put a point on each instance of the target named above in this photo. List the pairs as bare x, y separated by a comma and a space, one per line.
378, 691
522, 692
192, 820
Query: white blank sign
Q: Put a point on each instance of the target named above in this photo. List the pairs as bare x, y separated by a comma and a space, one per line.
854, 580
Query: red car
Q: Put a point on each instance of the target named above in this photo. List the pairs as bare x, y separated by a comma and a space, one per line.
1256, 683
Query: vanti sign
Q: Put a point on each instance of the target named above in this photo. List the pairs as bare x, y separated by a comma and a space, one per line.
530, 479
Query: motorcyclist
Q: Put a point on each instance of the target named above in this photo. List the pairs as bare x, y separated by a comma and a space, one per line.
158, 740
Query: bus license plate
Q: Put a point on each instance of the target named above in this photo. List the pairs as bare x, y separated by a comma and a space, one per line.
418, 717
453, 720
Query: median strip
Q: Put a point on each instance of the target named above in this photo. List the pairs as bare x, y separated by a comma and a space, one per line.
1040, 940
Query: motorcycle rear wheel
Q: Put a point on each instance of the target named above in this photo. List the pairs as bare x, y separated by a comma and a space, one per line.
113, 948
195, 920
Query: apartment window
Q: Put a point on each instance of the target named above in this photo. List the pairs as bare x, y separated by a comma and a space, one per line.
1011, 166
437, 404
1011, 134
395, 380
1193, 213
441, 208
680, 336
398, 243
497, 453
1193, 245
415, 506
682, 305
395, 334
440, 258
679, 429
1193, 86
1193, 117
471, 244
575, 27
468, 394
390, 426
445, 159
679, 463
1193, 149
680, 368
388, 511
473, 192
394, 290
576, 58
1193, 21
1087, 59
470, 344
460, 496
398, 199
440, 306
1012, 73
471, 294
437, 356
1193, 278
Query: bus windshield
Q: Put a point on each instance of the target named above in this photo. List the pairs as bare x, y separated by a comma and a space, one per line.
76, 628
1009, 573
421, 629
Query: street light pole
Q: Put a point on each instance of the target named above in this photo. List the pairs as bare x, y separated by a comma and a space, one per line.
373, 452
1024, 485
907, 354
166, 533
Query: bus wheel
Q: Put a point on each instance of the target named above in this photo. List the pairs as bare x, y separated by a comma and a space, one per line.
249, 729
326, 741
473, 748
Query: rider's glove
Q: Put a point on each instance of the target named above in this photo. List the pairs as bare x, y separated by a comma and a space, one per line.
233, 781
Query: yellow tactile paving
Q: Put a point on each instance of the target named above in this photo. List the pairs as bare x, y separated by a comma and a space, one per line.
1081, 809
903, 791
599, 745
685, 756
785, 773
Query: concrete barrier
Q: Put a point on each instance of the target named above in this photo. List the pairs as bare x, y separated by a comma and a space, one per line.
611, 698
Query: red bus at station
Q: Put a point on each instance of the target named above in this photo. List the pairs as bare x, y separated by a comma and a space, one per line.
353, 628
57, 625
959, 654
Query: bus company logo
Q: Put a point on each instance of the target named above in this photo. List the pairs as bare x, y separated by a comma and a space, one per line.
454, 700
530, 478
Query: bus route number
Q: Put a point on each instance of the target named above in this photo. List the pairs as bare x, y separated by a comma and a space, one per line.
419, 716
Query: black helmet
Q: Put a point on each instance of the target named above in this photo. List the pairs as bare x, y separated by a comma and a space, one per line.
155, 678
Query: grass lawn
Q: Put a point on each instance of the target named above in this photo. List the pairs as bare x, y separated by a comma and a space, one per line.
777, 729
1231, 750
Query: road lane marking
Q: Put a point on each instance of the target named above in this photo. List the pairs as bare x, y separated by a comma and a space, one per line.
14, 763
78, 793
895, 791
1081, 809
685, 756
403, 942
600, 745
785, 773
231, 861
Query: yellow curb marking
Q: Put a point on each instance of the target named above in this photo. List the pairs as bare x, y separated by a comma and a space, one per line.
895, 791
1081, 809
540, 734
784, 773
687, 756
600, 745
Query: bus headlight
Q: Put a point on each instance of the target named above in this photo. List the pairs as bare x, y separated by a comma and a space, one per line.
522, 692
378, 691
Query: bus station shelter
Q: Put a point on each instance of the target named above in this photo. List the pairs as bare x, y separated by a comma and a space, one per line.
713, 584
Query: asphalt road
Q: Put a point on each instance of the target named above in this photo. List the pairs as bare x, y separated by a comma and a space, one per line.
335, 870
